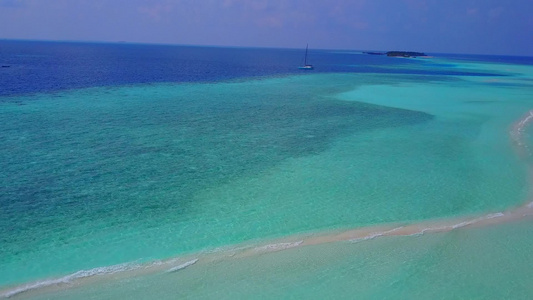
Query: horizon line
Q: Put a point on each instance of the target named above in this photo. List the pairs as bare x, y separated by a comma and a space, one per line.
237, 46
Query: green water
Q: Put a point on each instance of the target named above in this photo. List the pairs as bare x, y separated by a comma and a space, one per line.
116, 175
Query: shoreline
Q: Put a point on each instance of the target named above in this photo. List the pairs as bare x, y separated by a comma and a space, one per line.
178, 263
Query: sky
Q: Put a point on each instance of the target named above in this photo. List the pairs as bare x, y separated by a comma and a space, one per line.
432, 26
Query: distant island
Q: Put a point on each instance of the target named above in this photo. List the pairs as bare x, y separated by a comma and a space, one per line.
398, 53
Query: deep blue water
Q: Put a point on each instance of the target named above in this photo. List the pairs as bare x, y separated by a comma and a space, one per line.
518, 60
35, 66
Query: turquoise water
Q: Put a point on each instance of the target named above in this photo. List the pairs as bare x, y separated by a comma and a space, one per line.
101, 176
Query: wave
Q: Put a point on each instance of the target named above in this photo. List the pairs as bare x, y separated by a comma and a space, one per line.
182, 266
518, 130
375, 235
278, 246
69, 278
99, 271
450, 227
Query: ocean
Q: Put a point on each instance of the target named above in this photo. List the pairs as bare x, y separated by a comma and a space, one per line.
142, 171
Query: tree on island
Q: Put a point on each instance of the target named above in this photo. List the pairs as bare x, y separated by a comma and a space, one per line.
405, 53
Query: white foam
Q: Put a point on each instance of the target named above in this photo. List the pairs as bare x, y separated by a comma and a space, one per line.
278, 246
424, 230
519, 129
161, 262
374, 235
494, 215
458, 225
368, 237
463, 224
520, 125
182, 266
69, 278
473, 221
227, 249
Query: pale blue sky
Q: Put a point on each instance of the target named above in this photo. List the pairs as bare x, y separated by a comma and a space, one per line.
451, 26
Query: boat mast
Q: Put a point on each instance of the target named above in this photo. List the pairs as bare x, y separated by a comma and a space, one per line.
305, 60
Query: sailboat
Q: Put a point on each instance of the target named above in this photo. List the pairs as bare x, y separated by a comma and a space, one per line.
306, 66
